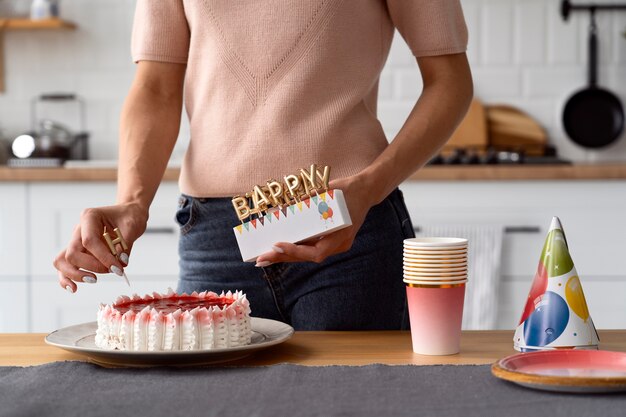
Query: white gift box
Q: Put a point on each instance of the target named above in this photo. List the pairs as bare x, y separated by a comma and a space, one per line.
308, 219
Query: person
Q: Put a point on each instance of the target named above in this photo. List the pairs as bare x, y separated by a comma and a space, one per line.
271, 86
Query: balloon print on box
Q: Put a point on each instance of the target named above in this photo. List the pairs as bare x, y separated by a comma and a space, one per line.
325, 211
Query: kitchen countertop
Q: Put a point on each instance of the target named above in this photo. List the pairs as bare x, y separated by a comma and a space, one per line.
431, 173
521, 172
323, 348
69, 174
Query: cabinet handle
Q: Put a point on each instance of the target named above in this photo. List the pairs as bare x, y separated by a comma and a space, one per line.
160, 231
57, 97
507, 229
522, 229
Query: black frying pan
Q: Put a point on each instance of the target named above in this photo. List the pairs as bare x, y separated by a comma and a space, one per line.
593, 117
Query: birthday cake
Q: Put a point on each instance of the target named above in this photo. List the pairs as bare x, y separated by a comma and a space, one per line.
170, 322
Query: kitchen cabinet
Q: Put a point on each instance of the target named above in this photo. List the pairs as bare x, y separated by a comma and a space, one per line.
37, 218
36, 222
14, 312
54, 210
13, 259
13, 251
54, 308
592, 216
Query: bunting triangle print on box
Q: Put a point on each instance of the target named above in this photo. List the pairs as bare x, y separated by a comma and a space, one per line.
556, 315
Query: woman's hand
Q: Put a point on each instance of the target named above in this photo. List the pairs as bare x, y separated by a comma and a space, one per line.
88, 253
359, 201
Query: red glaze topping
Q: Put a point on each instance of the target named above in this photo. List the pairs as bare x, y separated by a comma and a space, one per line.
175, 302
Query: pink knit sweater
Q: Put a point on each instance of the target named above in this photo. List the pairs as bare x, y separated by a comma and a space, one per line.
275, 85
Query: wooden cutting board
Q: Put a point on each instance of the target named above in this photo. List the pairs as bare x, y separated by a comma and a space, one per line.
472, 132
511, 128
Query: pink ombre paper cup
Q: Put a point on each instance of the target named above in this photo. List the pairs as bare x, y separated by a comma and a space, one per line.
436, 313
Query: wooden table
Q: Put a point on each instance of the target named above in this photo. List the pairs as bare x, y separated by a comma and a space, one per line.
322, 348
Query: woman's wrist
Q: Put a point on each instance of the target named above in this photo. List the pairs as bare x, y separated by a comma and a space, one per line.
136, 197
374, 186
138, 209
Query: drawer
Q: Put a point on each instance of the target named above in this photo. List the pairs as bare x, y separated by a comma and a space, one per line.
604, 295
54, 217
590, 212
456, 195
53, 308
13, 250
13, 305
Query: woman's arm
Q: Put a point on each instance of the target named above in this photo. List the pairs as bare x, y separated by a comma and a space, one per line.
149, 127
447, 93
446, 96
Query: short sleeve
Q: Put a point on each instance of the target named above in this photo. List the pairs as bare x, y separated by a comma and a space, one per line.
430, 27
160, 32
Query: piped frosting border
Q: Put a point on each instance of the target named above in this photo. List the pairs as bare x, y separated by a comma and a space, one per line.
202, 328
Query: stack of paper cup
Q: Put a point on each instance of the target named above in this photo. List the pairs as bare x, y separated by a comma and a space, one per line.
435, 272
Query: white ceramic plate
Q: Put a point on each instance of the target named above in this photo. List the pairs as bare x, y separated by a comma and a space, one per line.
462, 256
80, 339
434, 279
414, 282
435, 242
434, 252
420, 265
435, 263
454, 274
434, 270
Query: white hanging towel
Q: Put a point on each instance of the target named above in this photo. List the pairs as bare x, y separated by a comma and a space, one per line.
484, 260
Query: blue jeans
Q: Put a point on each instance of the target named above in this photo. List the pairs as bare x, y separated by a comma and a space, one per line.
361, 289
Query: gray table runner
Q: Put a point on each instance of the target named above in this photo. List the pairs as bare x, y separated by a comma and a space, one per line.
81, 389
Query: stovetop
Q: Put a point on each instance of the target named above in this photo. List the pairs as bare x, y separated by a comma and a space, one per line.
463, 156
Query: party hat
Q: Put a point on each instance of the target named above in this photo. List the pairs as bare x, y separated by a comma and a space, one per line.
556, 314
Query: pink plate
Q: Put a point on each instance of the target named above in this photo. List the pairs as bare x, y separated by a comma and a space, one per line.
584, 371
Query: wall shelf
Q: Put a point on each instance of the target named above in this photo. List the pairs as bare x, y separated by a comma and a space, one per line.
28, 24
24, 24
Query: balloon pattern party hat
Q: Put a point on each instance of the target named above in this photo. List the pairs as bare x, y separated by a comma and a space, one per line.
556, 315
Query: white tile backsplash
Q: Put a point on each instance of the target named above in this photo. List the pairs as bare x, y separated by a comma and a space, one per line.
385, 87
531, 44
619, 46
563, 37
496, 33
521, 51
400, 55
501, 83
408, 85
542, 82
471, 10
523, 54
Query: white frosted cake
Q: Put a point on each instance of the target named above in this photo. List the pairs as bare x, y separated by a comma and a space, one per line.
168, 322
